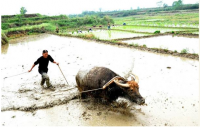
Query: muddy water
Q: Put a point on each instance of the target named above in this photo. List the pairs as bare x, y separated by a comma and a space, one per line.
113, 34
169, 42
171, 94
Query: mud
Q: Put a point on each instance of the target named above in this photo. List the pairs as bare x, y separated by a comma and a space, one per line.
171, 94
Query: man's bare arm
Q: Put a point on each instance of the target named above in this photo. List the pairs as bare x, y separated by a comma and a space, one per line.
55, 62
31, 68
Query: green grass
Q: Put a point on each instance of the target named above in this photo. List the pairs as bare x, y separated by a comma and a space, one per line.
46, 25
184, 51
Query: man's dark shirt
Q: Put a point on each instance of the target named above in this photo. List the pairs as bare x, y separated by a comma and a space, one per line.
43, 63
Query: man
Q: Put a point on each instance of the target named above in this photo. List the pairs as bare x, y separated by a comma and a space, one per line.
43, 62
57, 30
90, 30
108, 26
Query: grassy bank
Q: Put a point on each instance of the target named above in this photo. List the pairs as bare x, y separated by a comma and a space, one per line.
4, 39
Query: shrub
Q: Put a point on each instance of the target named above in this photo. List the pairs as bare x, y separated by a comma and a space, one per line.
185, 51
156, 32
166, 50
4, 26
136, 45
144, 45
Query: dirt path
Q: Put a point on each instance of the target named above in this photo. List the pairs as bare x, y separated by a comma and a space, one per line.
165, 81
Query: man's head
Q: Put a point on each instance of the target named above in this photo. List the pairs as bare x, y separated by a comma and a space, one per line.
45, 53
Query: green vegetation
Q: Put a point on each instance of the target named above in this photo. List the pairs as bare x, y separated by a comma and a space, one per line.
184, 51
136, 45
23, 10
62, 21
37, 23
166, 49
156, 32
178, 19
177, 5
144, 46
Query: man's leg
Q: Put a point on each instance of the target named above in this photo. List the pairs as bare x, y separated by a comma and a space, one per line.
46, 77
43, 79
48, 81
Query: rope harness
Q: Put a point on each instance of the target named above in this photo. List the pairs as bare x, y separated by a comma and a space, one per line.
15, 75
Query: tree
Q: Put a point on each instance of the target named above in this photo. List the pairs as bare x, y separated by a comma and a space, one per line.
180, 2
177, 4
19, 17
23, 10
159, 3
165, 5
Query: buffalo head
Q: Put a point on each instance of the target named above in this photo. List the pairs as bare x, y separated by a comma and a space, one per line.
130, 88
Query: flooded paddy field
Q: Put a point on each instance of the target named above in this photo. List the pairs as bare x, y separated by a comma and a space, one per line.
172, 96
114, 34
152, 29
169, 42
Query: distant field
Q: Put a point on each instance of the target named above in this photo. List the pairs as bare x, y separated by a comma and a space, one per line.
152, 29
162, 19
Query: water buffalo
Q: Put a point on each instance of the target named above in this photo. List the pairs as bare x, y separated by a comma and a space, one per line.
113, 85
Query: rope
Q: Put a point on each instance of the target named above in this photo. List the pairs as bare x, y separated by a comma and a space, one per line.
66, 89
63, 74
15, 75
91, 90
